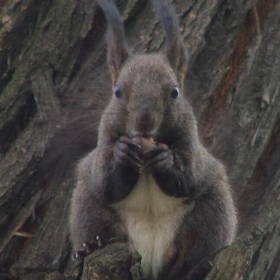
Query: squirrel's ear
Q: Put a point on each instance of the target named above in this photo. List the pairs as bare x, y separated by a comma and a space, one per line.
117, 47
175, 52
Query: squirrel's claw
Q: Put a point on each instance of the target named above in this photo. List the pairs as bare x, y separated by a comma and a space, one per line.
87, 249
77, 256
100, 243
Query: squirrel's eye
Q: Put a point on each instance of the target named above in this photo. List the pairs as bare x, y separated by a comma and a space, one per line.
175, 92
118, 92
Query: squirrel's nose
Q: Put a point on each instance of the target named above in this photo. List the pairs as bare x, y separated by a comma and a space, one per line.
145, 117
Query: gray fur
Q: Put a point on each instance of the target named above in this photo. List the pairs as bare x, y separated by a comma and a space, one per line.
188, 179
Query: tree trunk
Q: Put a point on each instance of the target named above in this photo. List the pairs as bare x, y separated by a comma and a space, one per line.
52, 53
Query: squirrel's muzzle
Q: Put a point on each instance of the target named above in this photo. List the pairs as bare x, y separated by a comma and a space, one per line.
145, 120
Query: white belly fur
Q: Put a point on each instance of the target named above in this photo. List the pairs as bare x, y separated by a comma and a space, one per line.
151, 218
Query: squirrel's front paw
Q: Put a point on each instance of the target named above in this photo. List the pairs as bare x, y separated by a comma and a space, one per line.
159, 158
126, 152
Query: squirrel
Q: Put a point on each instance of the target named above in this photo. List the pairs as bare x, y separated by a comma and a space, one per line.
150, 181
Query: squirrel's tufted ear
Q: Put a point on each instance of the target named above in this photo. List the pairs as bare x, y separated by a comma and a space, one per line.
117, 47
175, 52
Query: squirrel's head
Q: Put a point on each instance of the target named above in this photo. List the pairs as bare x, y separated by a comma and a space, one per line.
147, 89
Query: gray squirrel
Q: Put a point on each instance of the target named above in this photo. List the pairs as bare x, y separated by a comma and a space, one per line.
149, 181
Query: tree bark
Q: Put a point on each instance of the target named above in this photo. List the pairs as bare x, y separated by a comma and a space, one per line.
52, 59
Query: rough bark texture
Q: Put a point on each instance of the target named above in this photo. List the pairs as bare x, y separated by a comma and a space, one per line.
48, 47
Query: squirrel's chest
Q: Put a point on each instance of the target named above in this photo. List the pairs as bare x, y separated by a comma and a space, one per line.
151, 219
